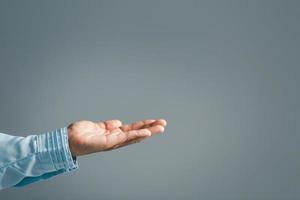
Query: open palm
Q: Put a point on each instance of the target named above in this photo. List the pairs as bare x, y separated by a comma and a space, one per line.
87, 137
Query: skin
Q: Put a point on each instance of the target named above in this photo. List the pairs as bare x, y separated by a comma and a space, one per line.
86, 137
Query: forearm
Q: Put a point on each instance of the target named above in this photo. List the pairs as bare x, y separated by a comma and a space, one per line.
24, 160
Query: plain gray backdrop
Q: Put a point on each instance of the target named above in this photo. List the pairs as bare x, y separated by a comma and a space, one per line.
225, 74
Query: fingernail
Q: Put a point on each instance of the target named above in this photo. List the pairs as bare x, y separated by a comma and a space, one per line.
147, 133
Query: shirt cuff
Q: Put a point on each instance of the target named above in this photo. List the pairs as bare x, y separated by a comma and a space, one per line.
53, 149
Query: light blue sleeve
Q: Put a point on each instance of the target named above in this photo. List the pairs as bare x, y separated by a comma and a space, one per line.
24, 160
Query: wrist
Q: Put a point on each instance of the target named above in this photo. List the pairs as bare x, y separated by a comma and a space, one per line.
71, 143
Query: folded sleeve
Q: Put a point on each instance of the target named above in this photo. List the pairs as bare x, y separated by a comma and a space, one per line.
25, 160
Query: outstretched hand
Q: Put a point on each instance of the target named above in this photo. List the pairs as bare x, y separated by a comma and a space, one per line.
87, 137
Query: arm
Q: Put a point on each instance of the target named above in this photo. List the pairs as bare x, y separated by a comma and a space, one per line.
24, 160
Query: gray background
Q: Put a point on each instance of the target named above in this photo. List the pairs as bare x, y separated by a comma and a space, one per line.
225, 74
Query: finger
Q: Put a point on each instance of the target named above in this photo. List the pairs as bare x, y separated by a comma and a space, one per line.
156, 129
117, 138
110, 124
141, 124
148, 123
138, 125
134, 134
162, 122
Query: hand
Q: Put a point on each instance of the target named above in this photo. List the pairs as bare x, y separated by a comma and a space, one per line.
86, 137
